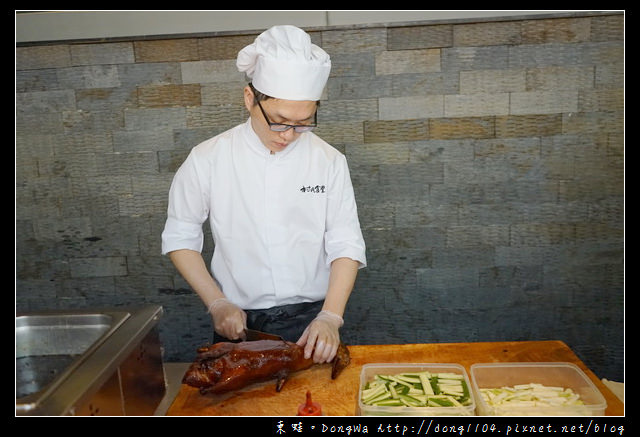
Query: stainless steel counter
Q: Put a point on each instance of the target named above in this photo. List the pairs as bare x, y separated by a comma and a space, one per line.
113, 362
173, 373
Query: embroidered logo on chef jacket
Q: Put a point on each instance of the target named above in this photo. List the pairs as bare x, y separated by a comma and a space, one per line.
313, 189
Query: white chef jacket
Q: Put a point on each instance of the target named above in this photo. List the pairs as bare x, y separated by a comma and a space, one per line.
278, 220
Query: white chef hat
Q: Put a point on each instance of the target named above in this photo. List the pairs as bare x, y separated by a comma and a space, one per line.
283, 63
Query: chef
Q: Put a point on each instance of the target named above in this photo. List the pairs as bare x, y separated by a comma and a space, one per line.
280, 204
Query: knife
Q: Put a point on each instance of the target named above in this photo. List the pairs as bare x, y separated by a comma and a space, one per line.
253, 335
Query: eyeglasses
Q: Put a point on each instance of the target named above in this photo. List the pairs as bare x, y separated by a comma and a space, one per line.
282, 127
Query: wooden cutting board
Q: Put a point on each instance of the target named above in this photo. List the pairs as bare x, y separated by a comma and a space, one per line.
339, 397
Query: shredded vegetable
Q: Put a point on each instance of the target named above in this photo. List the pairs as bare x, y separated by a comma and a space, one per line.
530, 395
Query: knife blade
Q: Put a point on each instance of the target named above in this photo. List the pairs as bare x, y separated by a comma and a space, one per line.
253, 335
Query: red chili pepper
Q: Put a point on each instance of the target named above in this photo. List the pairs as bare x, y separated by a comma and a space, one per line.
309, 408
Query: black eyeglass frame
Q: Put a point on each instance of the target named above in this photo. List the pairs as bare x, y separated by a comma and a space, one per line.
283, 127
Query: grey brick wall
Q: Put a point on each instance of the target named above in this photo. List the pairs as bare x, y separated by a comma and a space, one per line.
487, 160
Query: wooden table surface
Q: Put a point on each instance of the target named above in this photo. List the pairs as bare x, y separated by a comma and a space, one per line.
339, 397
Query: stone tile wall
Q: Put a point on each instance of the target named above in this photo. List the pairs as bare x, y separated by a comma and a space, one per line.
487, 160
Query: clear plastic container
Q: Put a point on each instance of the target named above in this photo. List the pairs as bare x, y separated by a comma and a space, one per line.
556, 374
370, 370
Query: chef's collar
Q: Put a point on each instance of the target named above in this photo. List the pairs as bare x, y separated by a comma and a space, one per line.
255, 143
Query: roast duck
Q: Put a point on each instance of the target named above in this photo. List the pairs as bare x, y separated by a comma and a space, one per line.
225, 366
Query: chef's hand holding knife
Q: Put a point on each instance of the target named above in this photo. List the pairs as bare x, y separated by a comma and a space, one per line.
229, 320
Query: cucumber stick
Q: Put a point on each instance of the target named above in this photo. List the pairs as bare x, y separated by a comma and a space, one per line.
417, 389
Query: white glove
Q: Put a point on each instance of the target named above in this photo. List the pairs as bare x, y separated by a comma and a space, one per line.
323, 336
229, 320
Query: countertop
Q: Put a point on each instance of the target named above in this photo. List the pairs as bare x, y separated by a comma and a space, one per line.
262, 399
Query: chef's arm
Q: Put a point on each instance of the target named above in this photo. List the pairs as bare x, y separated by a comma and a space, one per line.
191, 266
342, 277
322, 337
229, 320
